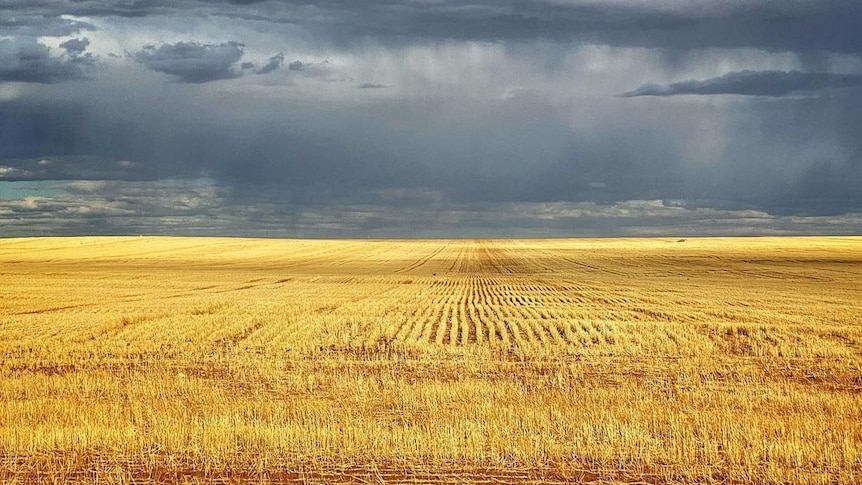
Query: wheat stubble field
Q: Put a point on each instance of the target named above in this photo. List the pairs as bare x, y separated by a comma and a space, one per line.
185, 360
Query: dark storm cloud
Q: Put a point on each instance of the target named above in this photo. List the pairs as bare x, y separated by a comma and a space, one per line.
180, 139
518, 151
192, 62
804, 26
810, 159
93, 8
76, 46
123, 140
829, 25
500, 114
274, 63
824, 189
39, 25
198, 207
25, 59
753, 83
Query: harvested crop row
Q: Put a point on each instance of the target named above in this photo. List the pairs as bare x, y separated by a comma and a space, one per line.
216, 360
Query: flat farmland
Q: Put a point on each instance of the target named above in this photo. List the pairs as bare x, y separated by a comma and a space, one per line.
217, 360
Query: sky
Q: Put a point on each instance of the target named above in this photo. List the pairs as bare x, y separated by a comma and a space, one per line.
430, 118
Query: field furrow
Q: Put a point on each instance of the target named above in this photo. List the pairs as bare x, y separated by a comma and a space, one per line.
164, 360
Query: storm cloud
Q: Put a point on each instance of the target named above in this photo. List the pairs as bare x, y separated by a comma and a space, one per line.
274, 63
25, 59
802, 25
75, 46
395, 118
193, 62
51, 23
753, 83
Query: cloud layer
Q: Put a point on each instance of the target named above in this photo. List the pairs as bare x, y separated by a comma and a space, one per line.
389, 117
753, 83
197, 207
193, 62
28, 60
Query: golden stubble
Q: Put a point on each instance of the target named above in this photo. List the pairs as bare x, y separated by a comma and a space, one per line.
633, 360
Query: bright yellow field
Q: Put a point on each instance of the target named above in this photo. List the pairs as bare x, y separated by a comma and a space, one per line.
156, 360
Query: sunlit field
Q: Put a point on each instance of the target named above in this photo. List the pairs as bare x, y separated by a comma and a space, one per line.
151, 360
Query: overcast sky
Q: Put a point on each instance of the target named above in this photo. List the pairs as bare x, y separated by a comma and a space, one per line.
379, 118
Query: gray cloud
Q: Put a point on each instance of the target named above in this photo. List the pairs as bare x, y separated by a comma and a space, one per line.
829, 25
193, 62
198, 207
276, 153
825, 189
76, 46
98, 207
274, 63
20, 23
25, 59
371, 86
91, 8
753, 83
500, 117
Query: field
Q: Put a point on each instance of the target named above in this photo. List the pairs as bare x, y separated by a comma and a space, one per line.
152, 360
